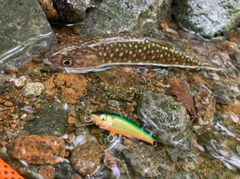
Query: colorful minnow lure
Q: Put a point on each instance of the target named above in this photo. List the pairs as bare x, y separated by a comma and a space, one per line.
117, 124
7, 172
101, 52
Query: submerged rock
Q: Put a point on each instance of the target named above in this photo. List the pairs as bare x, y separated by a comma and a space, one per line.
143, 160
37, 149
50, 120
72, 10
32, 89
63, 170
86, 157
24, 29
70, 86
221, 93
207, 18
163, 116
133, 16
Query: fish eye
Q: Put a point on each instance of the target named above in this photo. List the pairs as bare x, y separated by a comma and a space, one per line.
103, 119
67, 61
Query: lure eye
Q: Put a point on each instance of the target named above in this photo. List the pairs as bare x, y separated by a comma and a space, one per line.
67, 61
103, 119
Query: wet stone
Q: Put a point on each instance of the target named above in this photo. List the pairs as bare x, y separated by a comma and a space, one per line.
20, 82
63, 170
143, 160
182, 150
131, 16
202, 16
86, 157
70, 11
32, 89
47, 172
113, 103
70, 86
37, 149
205, 106
50, 120
221, 93
49, 10
163, 116
24, 31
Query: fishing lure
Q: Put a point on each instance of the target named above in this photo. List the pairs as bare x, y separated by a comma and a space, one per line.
105, 51
7, 172
117, 124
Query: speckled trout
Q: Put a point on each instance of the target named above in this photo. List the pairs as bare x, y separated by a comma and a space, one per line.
105, 51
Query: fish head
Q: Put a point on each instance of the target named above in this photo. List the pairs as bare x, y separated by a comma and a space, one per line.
71, 57
103, 120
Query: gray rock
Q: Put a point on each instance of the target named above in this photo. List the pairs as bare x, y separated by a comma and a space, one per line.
113, 103
133, 16
221, 93
182, 150
143, 160
50, 120
24, 29
72, 10
63, 170
163, 116
207, 18
32, 89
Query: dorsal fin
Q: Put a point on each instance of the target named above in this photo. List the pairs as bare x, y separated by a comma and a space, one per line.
160, 42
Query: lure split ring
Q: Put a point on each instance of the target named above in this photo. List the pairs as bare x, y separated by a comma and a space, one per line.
88, 119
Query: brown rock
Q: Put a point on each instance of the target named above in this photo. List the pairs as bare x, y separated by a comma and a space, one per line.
8, 103
70, 86
205, 107
2, 100
47, 172
48, 8
36, 149
71, 120
86, 157
76, 176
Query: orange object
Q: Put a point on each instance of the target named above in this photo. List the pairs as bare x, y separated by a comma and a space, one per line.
7, 172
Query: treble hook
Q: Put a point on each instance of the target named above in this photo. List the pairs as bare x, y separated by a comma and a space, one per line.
111, 137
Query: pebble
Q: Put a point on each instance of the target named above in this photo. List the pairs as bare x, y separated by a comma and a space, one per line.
113, 103
47, 172
37, 149
32, 89
2, 100
76, 176
20, 82
86, 157
160, 84
69, 86
8, 103
71, 120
